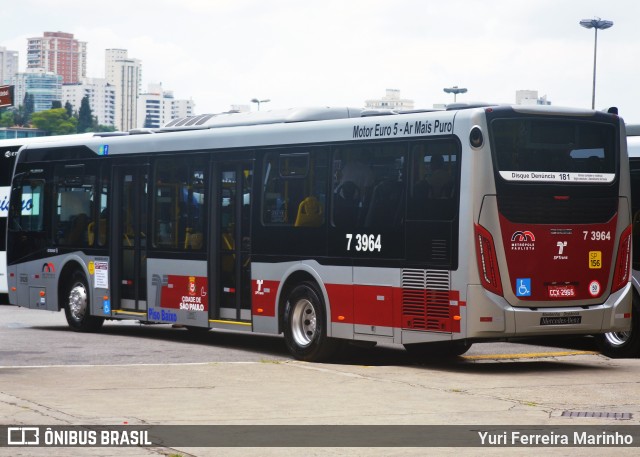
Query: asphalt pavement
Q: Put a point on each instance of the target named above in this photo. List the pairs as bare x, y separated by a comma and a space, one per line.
495, 391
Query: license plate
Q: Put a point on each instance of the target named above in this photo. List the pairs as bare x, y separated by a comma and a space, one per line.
560, 320
564, 291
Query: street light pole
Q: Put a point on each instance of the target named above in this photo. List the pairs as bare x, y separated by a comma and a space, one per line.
455, 90
596, 24
255, 100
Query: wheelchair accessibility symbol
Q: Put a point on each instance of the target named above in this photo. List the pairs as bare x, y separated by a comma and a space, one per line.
523, 287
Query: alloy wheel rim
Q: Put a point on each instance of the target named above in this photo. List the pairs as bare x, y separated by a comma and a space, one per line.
78, 302
304, 321
617, 339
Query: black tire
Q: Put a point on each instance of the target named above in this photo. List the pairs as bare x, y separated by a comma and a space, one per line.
439, 350
618, 345
305, 325
78, 305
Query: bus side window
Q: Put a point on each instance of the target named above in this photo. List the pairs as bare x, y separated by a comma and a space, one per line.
103, 213
368, 186
434, 181
294, 188
385, 207
74, 212
353, 181
178, 205
346, 204
75, 190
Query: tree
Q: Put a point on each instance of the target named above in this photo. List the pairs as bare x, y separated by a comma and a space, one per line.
56, 104
7, 118
85, 116
18, 116
69, 108
95, 127
22, 113
29, 108
56, 121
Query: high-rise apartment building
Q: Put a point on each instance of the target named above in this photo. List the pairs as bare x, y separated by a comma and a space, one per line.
125, 74
45, 86
530, 97
59, 53
390, 101
102, 98
8, 65
158, 107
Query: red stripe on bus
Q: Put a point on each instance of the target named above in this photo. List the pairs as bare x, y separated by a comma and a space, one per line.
263, 297
382, 306
388, 306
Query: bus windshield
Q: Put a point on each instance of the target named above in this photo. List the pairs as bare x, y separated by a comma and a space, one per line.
554, 150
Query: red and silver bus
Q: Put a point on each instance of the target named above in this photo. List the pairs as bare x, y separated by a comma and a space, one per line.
627, 343
432, 230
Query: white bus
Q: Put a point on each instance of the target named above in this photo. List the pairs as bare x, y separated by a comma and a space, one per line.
432, 230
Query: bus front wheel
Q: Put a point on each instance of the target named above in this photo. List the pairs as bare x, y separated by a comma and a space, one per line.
305, 325
77, 309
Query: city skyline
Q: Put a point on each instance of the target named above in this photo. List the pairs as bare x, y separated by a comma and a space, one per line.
329, 53
56, 72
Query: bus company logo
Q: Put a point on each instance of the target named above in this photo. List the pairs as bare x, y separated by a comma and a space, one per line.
259, 284
260, 289
523, 236
192, 285
48, 270
561, 254
523, 241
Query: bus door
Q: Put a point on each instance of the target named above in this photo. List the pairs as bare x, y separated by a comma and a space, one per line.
232, 275
129, 237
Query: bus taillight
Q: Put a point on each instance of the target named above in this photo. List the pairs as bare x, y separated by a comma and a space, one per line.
623, 261
487, 260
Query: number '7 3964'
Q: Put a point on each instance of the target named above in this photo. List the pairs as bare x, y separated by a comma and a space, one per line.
597, 235
363, 242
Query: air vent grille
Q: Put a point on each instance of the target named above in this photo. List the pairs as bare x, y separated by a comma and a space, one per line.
425, 300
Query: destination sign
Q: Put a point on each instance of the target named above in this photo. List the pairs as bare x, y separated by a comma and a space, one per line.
6, 96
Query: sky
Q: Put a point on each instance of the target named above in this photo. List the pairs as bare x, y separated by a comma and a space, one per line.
300, 53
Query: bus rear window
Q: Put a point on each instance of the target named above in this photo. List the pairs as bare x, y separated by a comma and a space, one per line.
554, 150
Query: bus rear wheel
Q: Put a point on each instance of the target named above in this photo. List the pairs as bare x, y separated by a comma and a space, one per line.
619, 345
77, 309
305, 325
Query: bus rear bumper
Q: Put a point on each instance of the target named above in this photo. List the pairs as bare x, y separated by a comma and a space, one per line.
490, 316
